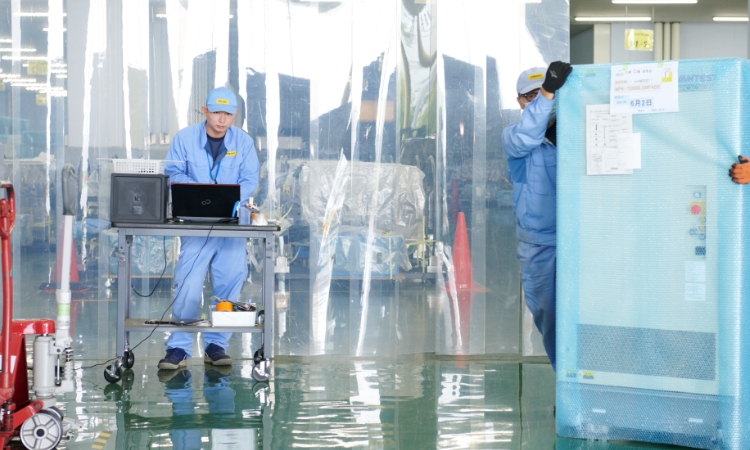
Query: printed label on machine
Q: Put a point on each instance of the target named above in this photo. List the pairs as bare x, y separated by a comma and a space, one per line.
644, 88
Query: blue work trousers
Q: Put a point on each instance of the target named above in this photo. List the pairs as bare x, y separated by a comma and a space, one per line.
218, 394
227, 258
538, 280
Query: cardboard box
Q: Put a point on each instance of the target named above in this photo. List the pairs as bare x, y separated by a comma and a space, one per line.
233, 318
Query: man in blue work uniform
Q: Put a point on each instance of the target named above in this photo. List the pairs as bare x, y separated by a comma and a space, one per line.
210, 152
530, 147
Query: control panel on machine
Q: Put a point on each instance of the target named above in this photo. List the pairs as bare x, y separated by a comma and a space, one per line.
697, 223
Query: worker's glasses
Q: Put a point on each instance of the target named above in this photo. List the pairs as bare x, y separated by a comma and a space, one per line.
530, 96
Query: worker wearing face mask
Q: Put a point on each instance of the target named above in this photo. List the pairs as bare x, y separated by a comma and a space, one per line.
530, 147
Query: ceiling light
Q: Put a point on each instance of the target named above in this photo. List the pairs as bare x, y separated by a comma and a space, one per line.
7, 50
653, 2
164, 16
730, 19
6, 41
613, 19
35, 14
47, 29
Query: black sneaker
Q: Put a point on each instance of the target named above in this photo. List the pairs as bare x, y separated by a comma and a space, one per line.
215, 355
175, 358
174, 378
215, 373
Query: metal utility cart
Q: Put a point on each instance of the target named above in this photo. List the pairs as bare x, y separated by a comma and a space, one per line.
126, 324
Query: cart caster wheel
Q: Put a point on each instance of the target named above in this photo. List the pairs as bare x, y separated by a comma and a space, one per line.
261, 391
260, 371
127, 379
260, 388
113, 373
128, 360
261, 319
258, 356
113, 393
42, 431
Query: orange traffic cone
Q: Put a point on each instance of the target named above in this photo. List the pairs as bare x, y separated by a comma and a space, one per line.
454, 204
465, 285
462, 270
462, 255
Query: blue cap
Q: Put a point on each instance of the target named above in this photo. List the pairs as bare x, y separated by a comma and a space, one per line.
222, 99
530, 79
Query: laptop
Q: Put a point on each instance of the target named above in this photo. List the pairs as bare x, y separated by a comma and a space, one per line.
204, 202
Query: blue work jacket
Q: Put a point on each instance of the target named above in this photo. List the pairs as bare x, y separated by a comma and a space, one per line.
532, 167
237, 162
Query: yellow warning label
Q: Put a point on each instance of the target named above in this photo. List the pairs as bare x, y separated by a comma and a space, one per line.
639, 40
222, 101
587, 375
232, 153
536, 76
37, 67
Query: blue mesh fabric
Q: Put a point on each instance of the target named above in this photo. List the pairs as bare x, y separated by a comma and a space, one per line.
653, 309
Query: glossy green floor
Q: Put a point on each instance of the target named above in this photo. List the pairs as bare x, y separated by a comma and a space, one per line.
412, 400
415, 404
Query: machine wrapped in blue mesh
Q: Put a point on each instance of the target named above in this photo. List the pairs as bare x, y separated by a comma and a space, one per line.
653, 300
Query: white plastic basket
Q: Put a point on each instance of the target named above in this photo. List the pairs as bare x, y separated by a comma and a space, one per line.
138, 165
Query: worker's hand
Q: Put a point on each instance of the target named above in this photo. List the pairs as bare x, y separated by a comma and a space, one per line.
740, 172
557, 73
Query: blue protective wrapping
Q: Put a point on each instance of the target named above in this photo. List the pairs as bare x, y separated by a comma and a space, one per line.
653, 304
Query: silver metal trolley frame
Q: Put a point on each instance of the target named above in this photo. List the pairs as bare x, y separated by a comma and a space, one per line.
126, 324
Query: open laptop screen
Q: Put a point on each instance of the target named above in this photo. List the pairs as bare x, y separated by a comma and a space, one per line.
204, 202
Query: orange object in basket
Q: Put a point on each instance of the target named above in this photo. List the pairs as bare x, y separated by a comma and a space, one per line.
224, 306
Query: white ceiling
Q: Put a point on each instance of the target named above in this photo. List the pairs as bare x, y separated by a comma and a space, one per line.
703, 11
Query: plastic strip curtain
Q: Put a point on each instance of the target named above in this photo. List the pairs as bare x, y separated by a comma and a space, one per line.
412, 93
388, 65
321, 292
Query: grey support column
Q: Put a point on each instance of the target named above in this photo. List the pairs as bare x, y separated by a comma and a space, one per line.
659, 41
602, 40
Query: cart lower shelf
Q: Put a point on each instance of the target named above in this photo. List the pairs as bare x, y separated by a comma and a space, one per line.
141, 325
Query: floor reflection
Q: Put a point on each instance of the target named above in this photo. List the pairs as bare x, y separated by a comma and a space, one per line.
418, 403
